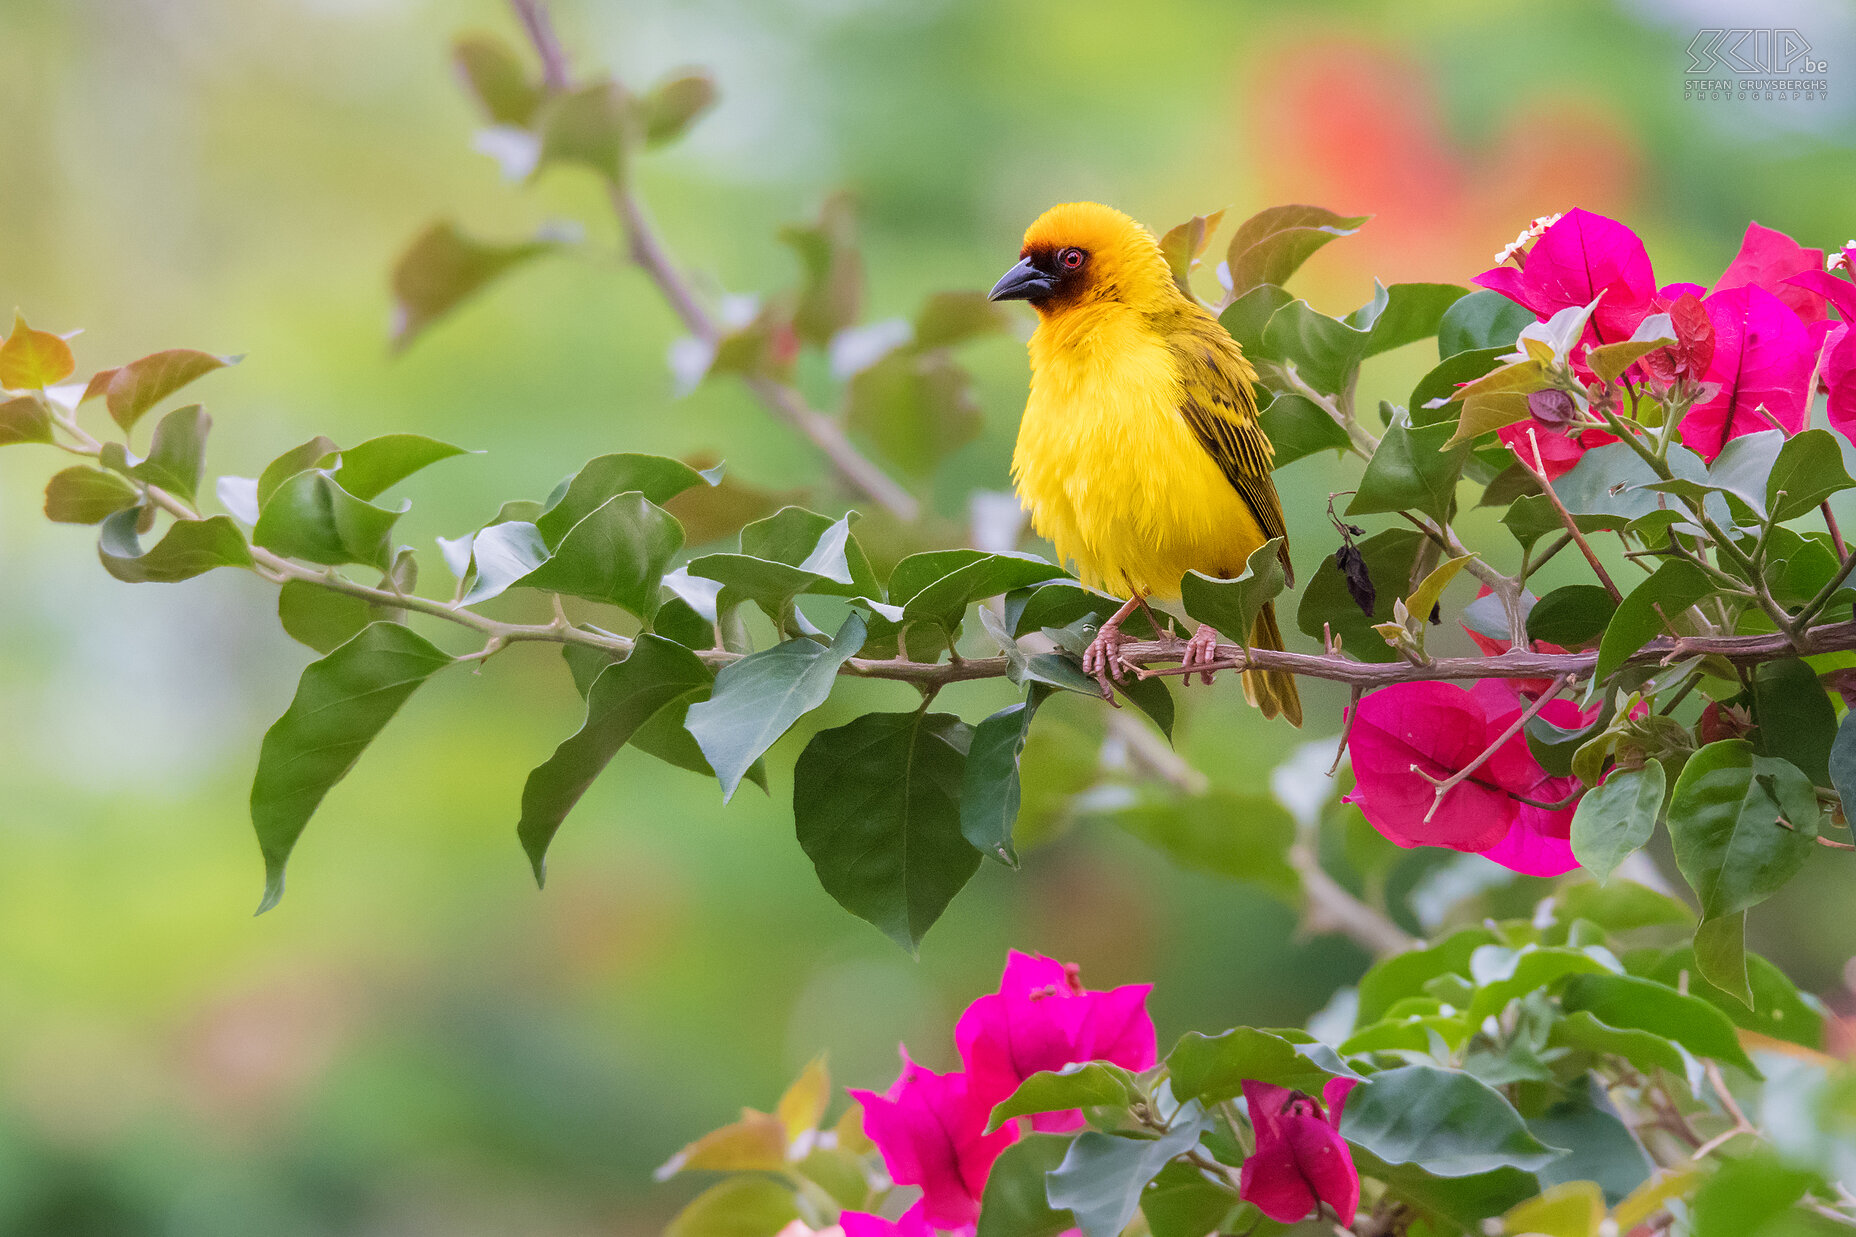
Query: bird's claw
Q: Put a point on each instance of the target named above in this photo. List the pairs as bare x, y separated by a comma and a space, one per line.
1200, 650
1102, 660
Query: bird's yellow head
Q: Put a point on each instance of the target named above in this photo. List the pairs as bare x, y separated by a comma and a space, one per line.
1084, 253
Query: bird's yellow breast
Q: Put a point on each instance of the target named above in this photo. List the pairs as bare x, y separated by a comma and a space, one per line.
1109, 469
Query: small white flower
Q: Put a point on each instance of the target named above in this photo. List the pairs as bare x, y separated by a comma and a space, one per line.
1839, 258
1531, 232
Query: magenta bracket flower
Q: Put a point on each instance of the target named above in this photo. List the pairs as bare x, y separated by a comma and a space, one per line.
1042, 1018
1301, 1163
931, 1130
1408, 737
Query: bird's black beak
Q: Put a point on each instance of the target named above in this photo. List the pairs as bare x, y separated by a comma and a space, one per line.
1024, 282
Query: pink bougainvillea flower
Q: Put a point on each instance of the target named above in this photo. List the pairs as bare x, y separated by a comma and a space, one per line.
1837, 343
931, 1130
1769, 259
1574, 261
1406, 735
1762, 360
1301, 1161
914, 1223
1042, 1018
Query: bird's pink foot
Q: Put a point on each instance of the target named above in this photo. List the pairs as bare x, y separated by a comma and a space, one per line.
1201, 650
1102, 659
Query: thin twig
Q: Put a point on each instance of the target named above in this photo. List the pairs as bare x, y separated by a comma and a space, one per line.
1538, 470
1329, 907
652, 256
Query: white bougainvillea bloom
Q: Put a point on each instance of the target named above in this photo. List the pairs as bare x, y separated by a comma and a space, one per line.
1531, 232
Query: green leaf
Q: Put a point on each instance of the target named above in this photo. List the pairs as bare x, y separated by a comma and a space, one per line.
876, 805
1232, 606
312, 517
498, 78
320, 617
594, 126
33, 360
1673, 588
758, 698
177, 457
1720, 955
790, 553
1325, 351
916, 407
618, 554
1620, 906
603, 478
1015, 1204
739, 1206
502, 555
936, 587
1843, 759
81, 494
1609, 361
989, 793
1403, 313
1603, 1149
674, 104
1745, 1196
341, 703
625, 696
1484, 319
1487, 412
1214, 1068
1249, 313
1571, 615
1184, 243
1777, 1008
1808, 470
1613, 480
24, 418
318, 452
1443, 1121
1629, 1003
1101, 1178
442, 269
1272, 244
1502, 975
1325, 601
1723, 818
949, 318
1185, 1201
1441, 384
1297, 426
1793, 718
1644, 1049
373, 467
831, 294
1411, 470
1239, 837
1084, 1085
190, 548
140, 385
1405, 974
1617, 818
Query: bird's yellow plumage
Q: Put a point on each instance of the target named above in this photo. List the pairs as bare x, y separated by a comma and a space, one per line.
1140, 455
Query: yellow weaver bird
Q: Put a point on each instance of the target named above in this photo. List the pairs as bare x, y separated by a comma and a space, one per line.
1140, 455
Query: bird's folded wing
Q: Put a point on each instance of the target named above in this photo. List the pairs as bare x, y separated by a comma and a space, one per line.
1218, 403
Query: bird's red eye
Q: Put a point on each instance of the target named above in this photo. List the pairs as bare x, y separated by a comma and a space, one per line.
1071, 259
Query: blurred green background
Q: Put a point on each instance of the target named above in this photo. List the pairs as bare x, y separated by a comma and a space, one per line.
416, 1041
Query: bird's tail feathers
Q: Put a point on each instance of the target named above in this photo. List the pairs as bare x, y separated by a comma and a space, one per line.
1272, 691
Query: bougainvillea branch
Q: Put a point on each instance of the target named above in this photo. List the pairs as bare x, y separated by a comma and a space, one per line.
652, 255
